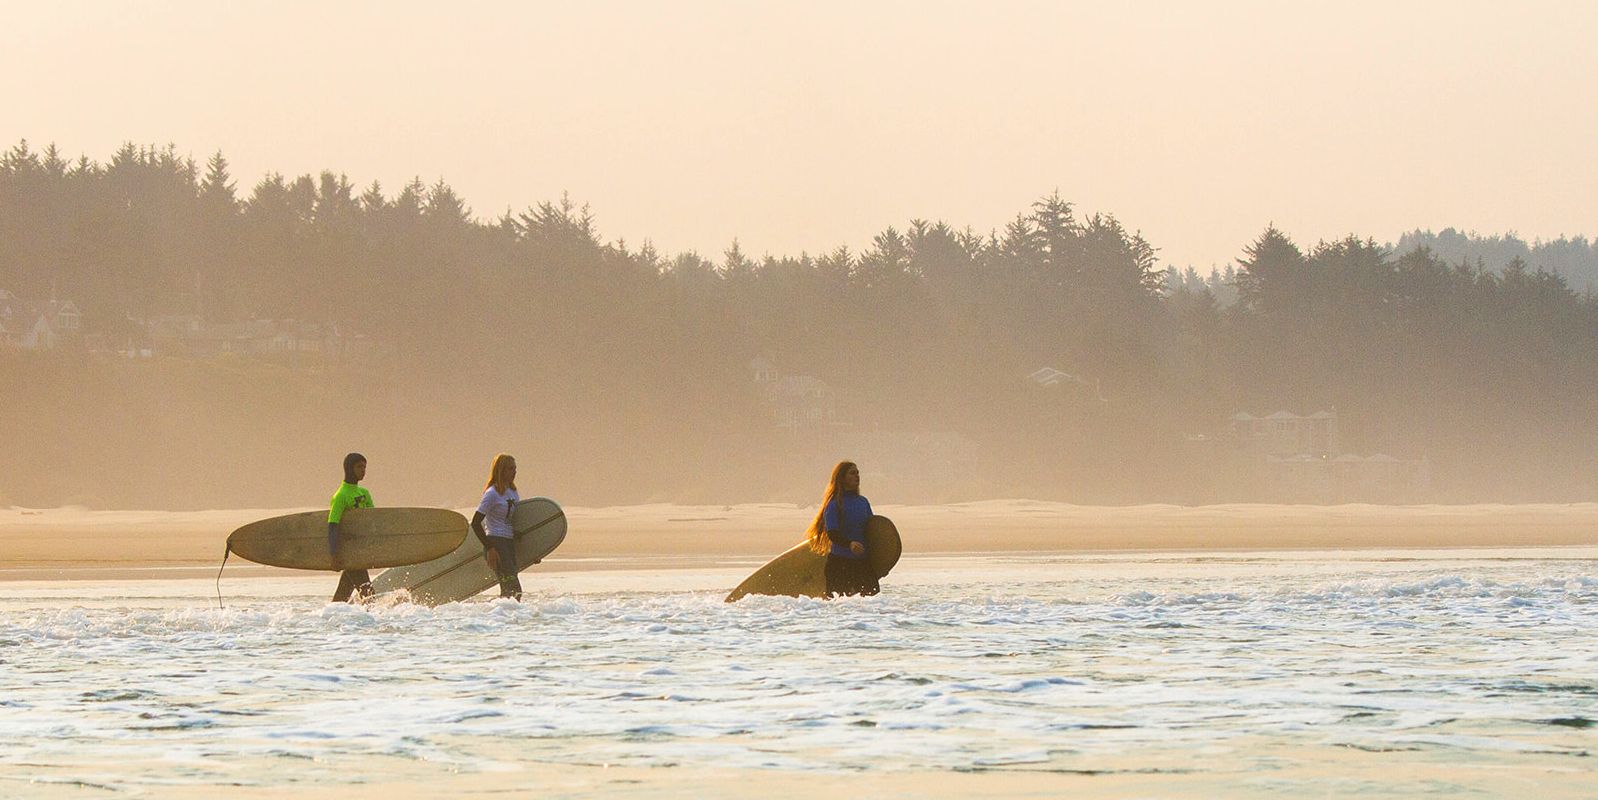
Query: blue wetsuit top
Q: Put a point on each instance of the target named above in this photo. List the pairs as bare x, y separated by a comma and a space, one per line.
845, 521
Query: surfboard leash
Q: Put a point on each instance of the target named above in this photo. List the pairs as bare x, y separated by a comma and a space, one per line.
227, 550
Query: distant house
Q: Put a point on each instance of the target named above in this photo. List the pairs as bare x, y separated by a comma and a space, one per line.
1049, 376
37, 328
189, 335
32, 328
1284, 434
796, 402
1286, 457
174, 326
1297, 478
1380, 476
130, 340
801, 401
36, 333
266, 337
10, 312
64, 317
1074, 385
765, 373
1346, 477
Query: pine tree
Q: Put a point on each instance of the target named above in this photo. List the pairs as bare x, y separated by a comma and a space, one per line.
216, 190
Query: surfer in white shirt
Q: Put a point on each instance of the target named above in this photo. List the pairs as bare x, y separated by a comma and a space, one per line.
492, 525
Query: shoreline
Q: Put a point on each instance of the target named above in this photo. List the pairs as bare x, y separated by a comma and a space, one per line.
738, 566
1324, 769
70, 543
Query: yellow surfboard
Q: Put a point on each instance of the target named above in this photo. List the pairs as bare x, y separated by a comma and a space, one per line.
801, 572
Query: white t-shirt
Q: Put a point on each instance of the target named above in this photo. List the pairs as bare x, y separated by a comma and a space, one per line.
495, 509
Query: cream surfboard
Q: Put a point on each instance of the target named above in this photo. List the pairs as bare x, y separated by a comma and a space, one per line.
371, 538
801, 572
540, 527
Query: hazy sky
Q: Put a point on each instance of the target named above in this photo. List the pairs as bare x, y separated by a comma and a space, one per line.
802, 126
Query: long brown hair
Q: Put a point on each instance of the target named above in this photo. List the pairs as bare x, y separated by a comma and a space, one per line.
817, 533
499, 477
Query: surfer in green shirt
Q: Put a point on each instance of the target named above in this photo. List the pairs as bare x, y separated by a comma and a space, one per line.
350, 494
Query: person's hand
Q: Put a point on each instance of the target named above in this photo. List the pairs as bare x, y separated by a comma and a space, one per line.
492, 557
857, 548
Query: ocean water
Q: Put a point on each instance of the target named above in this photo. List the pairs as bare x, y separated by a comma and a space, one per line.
1145, 664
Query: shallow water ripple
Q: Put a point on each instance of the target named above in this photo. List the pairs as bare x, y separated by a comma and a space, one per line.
1489, 662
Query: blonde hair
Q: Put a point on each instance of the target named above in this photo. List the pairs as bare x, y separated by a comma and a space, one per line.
499, 477
820, 543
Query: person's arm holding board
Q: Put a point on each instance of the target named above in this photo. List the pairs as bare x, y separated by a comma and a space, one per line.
482, 537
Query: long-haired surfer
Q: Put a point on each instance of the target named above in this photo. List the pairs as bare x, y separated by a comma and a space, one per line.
839, 531
499, 539
350, 494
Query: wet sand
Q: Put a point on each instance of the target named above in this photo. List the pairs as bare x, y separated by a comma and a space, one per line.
1314, 772
61, 544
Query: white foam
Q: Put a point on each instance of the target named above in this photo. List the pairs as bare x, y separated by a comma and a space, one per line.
1004, 663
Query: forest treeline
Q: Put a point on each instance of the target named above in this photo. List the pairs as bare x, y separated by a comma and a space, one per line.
1573, 258
624, 371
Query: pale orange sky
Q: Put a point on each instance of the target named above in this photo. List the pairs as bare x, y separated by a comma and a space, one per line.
802, 126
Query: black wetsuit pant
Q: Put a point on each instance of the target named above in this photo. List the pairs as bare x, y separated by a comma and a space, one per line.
351, 581
850, 576
509, 584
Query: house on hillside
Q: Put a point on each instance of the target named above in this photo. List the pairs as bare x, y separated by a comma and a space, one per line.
802, 401
173, 326
10, 307
64, 317
189, 335
10, 314
266, 337
1049, 376
34, 328
125, 337
1053, 380
1286, 457
1283, 433
36, 333
795, 402
765, 373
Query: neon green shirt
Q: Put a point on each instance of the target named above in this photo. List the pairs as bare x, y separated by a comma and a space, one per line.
348, 496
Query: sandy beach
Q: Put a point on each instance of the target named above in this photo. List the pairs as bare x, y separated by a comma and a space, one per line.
1350, 772
65, 543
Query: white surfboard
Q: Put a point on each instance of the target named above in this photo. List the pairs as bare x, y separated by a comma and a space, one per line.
540, 527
